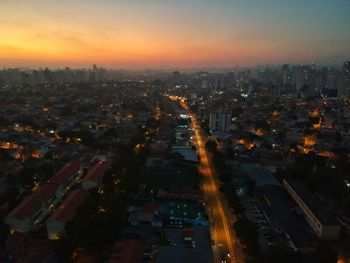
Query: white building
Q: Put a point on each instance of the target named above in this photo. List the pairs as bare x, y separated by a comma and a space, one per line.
323, 223
219, 121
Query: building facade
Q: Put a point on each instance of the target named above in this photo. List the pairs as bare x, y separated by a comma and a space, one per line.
324, 224
219, 121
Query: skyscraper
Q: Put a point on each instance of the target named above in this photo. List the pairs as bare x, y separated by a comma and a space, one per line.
344, 88
220, 121
285, 74
346, 69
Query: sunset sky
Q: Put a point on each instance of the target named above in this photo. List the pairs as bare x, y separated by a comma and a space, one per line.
173, 33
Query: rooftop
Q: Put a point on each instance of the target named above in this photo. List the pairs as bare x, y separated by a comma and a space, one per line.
66, 211
31, 204
127, 251
98, 171
67, 170
312, 203
260, 175
188, 153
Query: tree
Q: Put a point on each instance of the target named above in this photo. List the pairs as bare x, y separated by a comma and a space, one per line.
246, 231
324, 254
229, 152
229, 190
111, 132
67, 111
262, 124
278, 255
237, 111
211, 146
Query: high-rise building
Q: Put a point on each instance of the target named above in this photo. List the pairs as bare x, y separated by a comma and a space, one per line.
242, 81
346, 69
344, 87
285, 74
220, 121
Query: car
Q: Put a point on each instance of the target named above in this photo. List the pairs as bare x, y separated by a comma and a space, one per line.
287, 236
279, 230
224, 257
268, 238
190, 244
148, 253
173, 244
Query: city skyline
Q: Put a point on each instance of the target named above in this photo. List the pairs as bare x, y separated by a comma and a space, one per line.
168, 131
165, 34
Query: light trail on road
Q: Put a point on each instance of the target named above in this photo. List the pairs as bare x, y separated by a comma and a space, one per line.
219, 211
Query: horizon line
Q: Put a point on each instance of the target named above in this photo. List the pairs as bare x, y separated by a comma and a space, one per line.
164, 68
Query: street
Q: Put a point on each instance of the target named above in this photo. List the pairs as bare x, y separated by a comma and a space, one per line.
226, 246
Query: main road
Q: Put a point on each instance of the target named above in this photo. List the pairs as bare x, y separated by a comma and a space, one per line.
226, 247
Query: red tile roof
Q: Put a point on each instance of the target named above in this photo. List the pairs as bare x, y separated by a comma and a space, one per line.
150, 207
15, 240
158, 149
127, 251
37, 251
62, 175
98, 171
188, 232
66, 211
31, 204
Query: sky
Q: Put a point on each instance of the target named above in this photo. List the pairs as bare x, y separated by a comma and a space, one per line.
173, 33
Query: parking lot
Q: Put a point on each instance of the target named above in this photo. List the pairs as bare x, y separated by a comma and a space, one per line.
185, 251
278, 220
255, 214
174, 249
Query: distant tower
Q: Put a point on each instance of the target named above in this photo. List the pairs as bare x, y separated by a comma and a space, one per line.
93, 73
346, 69
344, 85
285, 74
220, 121
176, 74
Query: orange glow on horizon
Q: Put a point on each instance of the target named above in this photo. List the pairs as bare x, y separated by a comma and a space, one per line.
52, 45
158, 33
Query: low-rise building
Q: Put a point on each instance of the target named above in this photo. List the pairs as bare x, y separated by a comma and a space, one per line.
22, 218
36, 207
66, 178
65, 212
94, 177
324, 224
220, 121
127, 251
